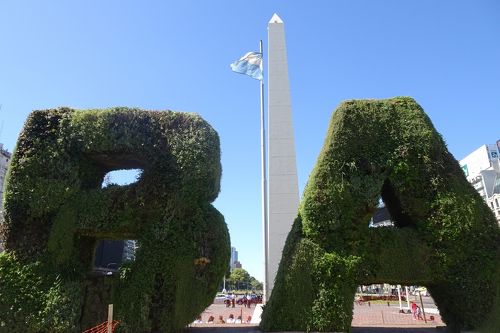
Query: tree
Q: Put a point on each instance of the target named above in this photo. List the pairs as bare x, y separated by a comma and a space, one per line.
239, 277
255, 284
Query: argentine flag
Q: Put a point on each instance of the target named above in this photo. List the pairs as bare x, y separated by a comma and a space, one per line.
250, 64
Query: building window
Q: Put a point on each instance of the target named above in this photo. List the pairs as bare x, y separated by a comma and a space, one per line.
497, 185
496, 202
492, 206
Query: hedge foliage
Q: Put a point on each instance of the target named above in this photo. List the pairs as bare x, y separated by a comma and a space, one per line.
56, 211
445, 237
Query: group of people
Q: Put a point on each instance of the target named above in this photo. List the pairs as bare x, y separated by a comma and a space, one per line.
245, 300
221, 320
230, 300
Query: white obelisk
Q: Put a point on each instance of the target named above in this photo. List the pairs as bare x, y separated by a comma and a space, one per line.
282, 169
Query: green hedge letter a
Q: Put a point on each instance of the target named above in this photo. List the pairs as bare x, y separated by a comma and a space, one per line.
443, 237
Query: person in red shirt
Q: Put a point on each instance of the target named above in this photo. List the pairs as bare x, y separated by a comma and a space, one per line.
414, 310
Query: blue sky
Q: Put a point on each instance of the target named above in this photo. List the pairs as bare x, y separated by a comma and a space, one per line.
176, 55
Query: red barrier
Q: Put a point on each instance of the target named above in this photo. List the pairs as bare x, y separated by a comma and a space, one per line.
103, 328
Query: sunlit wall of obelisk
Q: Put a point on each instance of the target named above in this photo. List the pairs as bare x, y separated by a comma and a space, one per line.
282, 169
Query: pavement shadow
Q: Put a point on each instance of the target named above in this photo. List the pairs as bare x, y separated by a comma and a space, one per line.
255, 329
399, 329
214, 329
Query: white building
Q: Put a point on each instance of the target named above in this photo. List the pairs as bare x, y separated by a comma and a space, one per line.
482, 169
382, 217
4, 163
130, 247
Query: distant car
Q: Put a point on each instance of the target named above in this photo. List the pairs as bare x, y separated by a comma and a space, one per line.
255, 299
422, 291
241, 300
220, 296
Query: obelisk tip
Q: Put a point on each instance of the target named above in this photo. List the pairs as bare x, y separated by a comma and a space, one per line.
276, 19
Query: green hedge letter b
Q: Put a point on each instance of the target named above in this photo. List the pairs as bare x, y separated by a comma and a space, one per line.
56, 211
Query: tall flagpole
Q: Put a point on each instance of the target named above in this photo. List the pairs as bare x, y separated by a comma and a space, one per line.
264, 183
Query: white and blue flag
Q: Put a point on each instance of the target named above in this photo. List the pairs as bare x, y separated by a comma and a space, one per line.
250, 64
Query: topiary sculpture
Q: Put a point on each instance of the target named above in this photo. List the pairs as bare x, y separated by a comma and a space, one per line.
56, 211
444, 235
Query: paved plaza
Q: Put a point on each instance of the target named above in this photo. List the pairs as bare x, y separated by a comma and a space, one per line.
373, 318
381, 315
255, 329
220, 309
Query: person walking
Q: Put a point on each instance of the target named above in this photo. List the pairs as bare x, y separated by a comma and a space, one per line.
414, 310
419, 313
